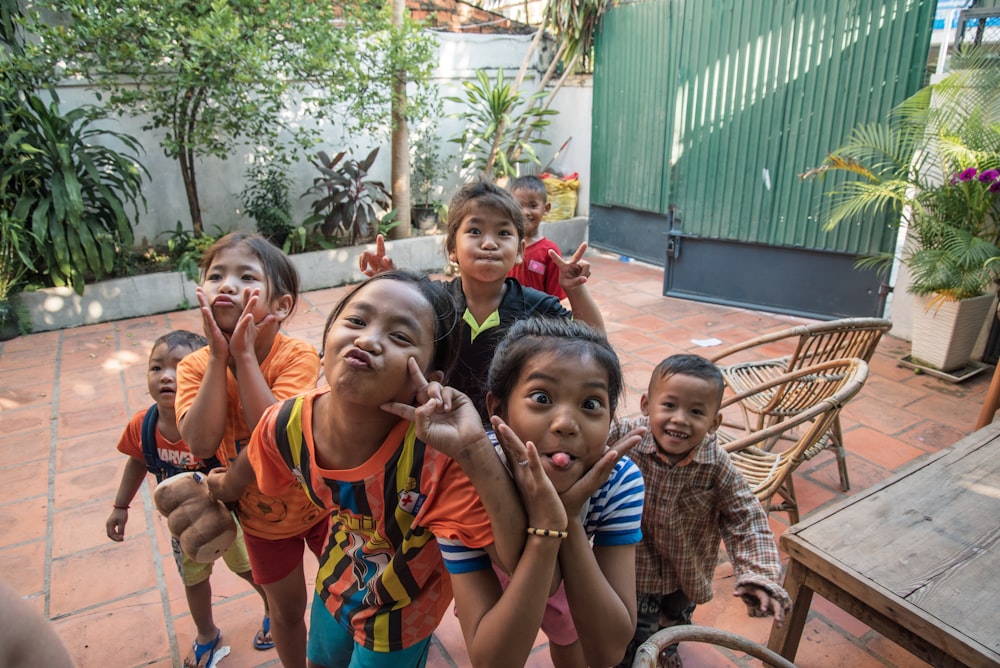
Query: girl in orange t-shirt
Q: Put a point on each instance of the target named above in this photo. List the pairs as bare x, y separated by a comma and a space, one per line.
248, 289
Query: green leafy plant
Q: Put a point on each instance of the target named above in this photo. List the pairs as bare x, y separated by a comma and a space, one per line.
494, 112
210, 76
265, 199
346, 201
187, 249
427, 168
933, 164
71, 190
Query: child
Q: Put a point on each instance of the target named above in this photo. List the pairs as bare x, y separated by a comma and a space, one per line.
248, 289
538, 269
152, 441
485, 237
404, 512
696, 496
556, 384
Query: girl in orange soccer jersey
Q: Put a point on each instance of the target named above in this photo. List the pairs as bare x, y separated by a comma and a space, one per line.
248, 289
414, 485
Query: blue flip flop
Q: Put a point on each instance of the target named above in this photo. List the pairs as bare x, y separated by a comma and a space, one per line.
200, 649
265, 629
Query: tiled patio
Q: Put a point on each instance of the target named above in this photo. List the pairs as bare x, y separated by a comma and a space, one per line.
65, 397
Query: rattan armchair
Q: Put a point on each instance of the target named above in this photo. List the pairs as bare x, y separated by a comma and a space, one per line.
647, 656
818, 393
790, 349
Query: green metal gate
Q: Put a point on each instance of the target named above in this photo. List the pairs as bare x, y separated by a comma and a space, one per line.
705, 113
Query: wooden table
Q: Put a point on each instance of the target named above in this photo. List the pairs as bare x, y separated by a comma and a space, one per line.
917, 557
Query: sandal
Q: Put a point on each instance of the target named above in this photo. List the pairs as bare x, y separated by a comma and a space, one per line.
669, 658
262, 640
208, 648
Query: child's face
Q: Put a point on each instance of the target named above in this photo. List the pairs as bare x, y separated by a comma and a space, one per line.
681, 410
486, 245
161, 374
369, 344
234, 270
533, 208
564, 409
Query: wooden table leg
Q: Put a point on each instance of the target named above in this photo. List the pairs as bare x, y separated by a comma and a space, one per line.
785, 640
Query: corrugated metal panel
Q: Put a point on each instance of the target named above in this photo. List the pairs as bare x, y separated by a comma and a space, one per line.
633, 116
740, 97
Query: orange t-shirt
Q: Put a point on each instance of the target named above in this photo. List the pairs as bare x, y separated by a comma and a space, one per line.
290, 368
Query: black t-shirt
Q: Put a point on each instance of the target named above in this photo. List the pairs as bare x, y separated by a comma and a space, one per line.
472, 368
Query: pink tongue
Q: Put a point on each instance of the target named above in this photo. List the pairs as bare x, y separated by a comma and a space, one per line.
561, 459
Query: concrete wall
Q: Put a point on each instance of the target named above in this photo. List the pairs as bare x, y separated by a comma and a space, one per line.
459, 56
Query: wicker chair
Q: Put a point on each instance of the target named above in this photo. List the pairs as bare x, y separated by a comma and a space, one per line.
647, 656
815, 343
818, 393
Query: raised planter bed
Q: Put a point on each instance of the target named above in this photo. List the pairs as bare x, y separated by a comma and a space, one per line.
120, 298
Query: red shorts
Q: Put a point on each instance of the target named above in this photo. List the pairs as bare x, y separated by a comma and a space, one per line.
273, 560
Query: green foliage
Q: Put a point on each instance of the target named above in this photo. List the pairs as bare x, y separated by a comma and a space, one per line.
427, 168
494, 112
16, 247
265, 199
932, 164
211, 74
187, 249
346, 200
71, 191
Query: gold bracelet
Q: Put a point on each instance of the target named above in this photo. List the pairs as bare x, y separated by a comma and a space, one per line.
547, 533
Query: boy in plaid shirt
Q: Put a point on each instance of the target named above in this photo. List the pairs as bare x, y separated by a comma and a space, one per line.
694, 498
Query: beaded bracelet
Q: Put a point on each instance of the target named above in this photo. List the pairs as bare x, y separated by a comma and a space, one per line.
117, 507
547, 533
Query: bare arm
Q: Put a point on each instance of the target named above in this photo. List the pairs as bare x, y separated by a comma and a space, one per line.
446, 419
573, 277
227, 485
132, 477
204, 424
26, 638
500, 626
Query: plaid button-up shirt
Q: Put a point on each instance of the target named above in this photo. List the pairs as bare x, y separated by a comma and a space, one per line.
691, 506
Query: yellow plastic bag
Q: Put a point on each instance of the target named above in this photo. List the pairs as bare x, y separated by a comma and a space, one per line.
562, 193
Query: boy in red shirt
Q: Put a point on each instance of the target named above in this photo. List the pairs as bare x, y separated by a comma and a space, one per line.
537, 270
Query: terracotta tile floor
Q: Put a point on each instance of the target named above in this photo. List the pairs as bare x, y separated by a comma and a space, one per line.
65, 396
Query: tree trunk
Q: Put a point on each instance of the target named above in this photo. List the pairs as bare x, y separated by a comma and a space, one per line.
183, 128
400, 132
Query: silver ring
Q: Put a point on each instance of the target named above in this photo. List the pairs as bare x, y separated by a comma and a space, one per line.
523, 462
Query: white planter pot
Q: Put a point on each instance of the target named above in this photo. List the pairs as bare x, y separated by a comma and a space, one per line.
943, 337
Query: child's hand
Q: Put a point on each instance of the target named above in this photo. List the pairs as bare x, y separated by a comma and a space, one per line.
591, 481
219, 487
244, 336
444, 417
760, 603
375, 263
217, 342
115, 526
545, 508
575, 272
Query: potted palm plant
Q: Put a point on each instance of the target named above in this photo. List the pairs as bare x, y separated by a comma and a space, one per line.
933, 166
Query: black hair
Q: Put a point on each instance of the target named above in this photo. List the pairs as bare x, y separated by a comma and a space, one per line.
180, 338
446, 317
532, 184
481, 193
689, 365
280, 274
556, 337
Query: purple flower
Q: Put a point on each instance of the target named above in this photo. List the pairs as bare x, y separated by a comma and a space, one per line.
989, 176
995, 188
967, 174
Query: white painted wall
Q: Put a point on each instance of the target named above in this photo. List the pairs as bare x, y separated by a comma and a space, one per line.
459, 56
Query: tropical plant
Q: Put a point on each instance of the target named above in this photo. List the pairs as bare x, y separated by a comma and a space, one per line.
211, 75
346, 201
933, 166
427, 168
489, 140
265, 199
16, 246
